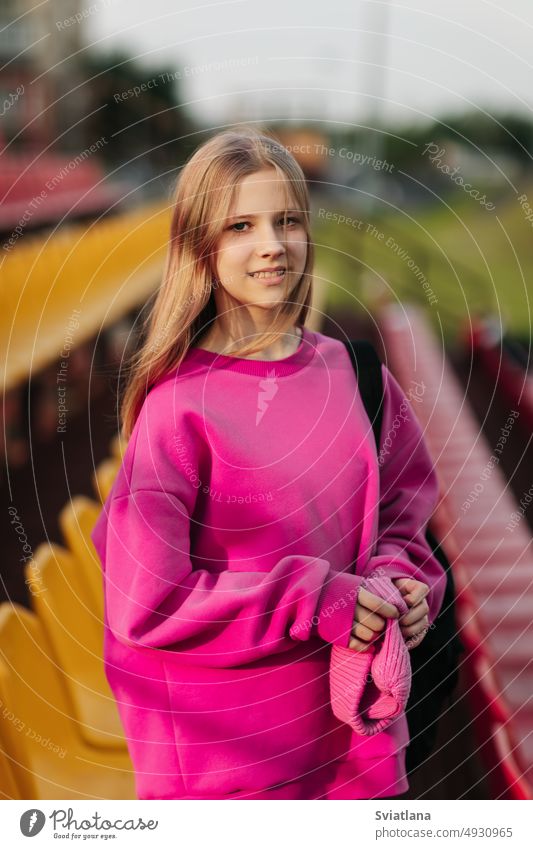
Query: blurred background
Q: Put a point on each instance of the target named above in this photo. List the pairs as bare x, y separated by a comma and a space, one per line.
414, 127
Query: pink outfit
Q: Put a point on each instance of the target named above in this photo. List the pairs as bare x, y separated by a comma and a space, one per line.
233, 544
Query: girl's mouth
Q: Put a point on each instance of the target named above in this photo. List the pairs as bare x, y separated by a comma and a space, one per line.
269, 276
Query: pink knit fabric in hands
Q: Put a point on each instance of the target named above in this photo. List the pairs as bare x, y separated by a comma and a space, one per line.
369, 689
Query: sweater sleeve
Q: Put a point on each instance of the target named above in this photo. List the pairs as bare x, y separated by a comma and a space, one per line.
408, 496
156, 599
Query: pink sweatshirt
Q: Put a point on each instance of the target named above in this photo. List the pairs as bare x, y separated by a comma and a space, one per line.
233, 544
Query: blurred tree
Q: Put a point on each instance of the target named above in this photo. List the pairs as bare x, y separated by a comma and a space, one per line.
511, 134
139, 112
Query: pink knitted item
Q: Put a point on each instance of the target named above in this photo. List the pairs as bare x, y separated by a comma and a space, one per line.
369, 689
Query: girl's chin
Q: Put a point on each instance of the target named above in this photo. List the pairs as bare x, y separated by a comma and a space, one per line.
262, 293
263, 302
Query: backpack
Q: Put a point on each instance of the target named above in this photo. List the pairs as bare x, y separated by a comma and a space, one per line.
435, 662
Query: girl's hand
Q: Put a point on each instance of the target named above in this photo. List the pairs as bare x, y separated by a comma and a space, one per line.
371, 614
414, 624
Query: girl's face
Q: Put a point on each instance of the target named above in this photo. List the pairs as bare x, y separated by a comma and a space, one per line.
253, 262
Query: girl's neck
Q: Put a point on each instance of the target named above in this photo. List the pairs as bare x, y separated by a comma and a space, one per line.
284, 347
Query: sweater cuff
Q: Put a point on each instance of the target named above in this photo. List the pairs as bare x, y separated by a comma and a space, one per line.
336, 608
389, 566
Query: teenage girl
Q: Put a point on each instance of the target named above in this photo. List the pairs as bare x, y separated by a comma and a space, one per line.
249, 502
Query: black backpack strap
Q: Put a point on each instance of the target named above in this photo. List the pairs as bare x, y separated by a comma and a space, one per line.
367, 367
435, 662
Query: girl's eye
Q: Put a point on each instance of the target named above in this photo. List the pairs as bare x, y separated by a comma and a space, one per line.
239, 226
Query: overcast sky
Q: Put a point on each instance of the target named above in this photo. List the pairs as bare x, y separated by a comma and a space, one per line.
330, 60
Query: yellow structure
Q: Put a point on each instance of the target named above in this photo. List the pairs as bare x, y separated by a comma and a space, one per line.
75, 632
8, 785
60, 291
76, 520
49, 758
104, 477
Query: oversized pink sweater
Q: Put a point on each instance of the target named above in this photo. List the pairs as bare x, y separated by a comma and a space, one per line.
247, 508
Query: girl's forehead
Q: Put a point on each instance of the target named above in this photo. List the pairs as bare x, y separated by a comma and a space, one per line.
262, 191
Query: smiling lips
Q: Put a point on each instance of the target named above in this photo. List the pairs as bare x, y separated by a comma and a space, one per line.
269, 273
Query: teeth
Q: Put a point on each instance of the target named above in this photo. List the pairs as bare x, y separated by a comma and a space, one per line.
266, 274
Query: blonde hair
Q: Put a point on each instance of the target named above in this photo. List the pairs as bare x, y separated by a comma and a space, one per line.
185, 306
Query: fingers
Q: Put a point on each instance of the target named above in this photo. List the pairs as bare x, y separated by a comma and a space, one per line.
376, 604
412, 590
370, 617
413, 642
415, 613
363, 633
358, 645
372, 612
416, 628
371, 620
416, 620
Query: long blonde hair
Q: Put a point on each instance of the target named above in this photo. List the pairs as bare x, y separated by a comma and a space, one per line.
184, 306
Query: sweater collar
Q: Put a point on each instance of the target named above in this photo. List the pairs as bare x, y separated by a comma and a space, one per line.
260, 368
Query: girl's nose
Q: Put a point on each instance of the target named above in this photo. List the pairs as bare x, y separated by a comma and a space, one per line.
269, 242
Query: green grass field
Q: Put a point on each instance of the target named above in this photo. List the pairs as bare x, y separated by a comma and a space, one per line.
456, 259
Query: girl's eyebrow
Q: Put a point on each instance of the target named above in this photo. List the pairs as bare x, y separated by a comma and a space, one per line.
253, 215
